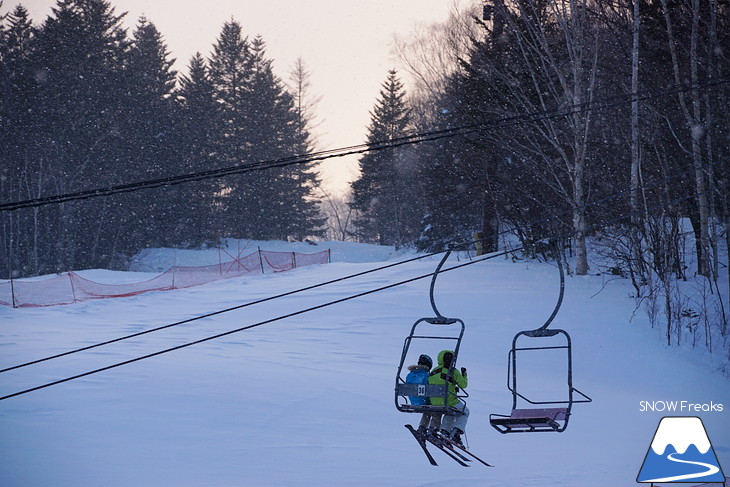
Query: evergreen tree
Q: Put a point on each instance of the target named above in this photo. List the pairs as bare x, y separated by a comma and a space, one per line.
17, 92
150, 81
78, 63
259, 124
197, 125
230, 70
283, 206
453, 198
148, 137
383, 195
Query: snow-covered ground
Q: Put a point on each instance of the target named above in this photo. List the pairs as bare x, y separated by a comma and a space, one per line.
308, 400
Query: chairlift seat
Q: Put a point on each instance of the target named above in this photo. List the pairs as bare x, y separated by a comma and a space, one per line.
424, 390
448, 410
530, 420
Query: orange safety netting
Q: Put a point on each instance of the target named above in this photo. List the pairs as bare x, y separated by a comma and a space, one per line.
71, 288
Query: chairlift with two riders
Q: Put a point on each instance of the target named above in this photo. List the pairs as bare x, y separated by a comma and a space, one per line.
528, 415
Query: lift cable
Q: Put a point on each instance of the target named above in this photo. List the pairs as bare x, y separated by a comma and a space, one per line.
519, 119
254, 325
320, 306
325, 283
214, 313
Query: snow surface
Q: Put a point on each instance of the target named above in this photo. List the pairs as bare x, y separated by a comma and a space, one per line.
308, 400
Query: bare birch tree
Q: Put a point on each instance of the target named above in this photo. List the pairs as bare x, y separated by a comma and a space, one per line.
691, 107
431, 54
548, 69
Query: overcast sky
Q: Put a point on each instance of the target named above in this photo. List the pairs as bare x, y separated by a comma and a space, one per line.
346, 45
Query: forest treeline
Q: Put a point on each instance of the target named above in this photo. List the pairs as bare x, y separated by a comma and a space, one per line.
578, 100
85, 104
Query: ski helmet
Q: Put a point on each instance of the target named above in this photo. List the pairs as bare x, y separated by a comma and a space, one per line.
425, 360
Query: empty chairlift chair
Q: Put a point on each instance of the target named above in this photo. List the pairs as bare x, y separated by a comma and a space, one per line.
528, 414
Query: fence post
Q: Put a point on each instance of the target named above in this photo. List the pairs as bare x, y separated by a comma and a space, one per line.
71, 280
12, 293
220, 264
329, 256
238, 252
294, 259
261, 261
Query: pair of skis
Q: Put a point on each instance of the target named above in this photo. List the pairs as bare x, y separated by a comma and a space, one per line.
453, 450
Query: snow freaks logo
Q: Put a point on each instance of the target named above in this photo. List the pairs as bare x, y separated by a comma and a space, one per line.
679, 407
680, 452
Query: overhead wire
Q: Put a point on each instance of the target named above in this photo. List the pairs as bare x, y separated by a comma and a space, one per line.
417, 138
410, 139
356, 149
323, 305
343, 278
214, 313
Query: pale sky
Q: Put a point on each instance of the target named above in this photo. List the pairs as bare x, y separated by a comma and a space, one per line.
345, 44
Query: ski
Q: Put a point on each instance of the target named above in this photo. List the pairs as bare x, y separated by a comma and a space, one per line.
444, 442
425, 438
422, 443
455, 446
460, 459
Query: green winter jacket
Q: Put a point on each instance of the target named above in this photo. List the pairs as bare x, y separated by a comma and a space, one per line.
439, 376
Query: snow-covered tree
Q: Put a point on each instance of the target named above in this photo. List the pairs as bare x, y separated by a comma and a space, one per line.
259, 124
384, 195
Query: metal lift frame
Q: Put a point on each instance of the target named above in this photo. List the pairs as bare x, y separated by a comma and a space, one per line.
541, 419
403, 390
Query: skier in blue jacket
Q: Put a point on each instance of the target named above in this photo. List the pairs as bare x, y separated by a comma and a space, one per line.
419, 375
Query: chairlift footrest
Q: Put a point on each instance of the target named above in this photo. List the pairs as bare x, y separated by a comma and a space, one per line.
530, 420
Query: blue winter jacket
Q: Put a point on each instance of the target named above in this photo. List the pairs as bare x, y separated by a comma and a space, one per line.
418, 375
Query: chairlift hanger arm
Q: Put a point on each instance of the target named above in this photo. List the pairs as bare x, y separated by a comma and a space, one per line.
438, 315
560, 295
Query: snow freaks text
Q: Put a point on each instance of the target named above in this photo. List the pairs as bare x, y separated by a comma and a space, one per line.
679, 407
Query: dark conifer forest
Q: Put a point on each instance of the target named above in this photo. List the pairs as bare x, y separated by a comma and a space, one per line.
85, 104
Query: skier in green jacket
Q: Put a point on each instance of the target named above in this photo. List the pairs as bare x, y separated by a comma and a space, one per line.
453, 424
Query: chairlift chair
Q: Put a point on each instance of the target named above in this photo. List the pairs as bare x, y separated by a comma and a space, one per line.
552, 415
439, 328
539, 416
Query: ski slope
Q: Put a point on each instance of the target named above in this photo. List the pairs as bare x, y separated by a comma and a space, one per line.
308, 400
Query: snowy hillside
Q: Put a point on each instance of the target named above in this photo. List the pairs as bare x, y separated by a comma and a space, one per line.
308, 400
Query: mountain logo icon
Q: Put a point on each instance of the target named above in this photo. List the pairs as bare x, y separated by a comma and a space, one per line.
680, 452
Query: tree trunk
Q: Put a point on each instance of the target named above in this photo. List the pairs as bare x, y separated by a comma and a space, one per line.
636, 227
490, 224
579, 219
693, 116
